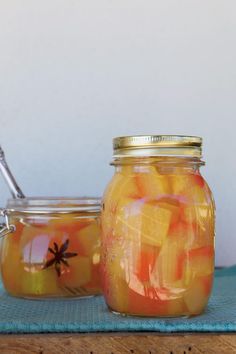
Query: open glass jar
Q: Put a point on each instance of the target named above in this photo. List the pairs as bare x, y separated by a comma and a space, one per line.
158, 225
51, 247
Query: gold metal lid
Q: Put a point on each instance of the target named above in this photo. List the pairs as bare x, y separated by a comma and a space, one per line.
157, 145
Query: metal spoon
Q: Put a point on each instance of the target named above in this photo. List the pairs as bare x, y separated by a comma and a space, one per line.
11, 182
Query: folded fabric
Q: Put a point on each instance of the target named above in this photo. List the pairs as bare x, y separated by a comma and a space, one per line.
92, 315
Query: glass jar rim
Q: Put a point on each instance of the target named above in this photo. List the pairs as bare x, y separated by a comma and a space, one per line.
157, 160
48, 205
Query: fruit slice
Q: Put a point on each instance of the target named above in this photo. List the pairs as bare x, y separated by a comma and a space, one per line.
120, 188
120, 256
155, 224
200, 261
183, 233
151, 184
88, 239
146, 261
172, 204
127, 209
116, 265
36, 281
207, 282
202, 216
183, 184
196, 297
94, 284
170, 265
77, 274
149, 303
11, 266
147, 224
117, 294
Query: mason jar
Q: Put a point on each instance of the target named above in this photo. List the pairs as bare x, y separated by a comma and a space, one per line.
51, 247
158, 226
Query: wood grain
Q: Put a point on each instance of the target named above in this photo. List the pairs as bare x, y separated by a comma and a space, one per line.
119, 343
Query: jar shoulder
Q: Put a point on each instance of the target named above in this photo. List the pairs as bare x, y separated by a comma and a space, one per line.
151, 184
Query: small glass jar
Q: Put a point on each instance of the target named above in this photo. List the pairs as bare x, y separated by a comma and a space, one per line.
51, 247
158, 226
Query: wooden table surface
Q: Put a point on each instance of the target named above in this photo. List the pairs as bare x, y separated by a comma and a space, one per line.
119, 343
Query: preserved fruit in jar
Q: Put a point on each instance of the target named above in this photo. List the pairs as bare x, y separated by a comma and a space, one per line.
158, 227
54, 250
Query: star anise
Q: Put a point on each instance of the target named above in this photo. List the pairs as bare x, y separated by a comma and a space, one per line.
60, 256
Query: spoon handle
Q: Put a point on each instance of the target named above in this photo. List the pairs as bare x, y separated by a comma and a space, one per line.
14, 188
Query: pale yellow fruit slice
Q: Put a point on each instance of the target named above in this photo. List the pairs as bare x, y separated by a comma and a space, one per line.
152, 185
144, 224
89, 239
200, 262
36, 281
170, 265
196, 297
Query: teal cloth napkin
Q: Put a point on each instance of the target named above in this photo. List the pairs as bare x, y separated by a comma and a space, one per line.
91, 315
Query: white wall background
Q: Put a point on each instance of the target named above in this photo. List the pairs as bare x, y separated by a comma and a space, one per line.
74, 74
